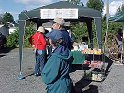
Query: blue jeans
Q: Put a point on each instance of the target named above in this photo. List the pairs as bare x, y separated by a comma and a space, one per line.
40, 61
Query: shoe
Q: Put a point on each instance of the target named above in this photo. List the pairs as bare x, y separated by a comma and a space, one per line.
37, 74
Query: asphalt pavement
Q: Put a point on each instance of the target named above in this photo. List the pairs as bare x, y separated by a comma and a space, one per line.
10, 70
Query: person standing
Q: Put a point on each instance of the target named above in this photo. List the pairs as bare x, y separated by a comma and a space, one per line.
39, 43
119, 37
55, 73
58, 25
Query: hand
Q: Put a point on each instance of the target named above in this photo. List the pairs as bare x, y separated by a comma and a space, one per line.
33, 46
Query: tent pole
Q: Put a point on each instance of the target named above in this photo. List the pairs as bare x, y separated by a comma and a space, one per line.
122, 45
107, 17
98, 32
22, 24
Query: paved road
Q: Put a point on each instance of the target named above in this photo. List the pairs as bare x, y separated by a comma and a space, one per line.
9, 71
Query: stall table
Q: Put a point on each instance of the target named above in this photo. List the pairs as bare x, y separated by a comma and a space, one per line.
79, 58
78, 63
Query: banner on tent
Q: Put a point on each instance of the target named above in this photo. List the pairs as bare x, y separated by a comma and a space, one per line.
61, 13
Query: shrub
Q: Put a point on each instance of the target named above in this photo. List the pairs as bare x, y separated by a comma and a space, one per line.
30, 30
13, 39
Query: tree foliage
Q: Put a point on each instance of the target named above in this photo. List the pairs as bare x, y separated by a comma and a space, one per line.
95, 4
75, 1
13, 39
78, 30
120, 9
7, 17
30, 30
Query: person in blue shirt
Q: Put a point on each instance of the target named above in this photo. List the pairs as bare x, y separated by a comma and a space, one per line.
55, 73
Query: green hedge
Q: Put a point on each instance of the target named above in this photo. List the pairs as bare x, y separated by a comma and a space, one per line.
13, 39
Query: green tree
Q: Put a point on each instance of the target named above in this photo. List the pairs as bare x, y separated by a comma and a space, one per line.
79, 30
95, 4
75, 1
13, 39
7, 17
30, 30
120, 9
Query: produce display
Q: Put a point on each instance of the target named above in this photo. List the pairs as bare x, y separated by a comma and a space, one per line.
94, 64
92, 51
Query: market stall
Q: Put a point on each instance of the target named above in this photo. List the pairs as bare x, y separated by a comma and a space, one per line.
70, 12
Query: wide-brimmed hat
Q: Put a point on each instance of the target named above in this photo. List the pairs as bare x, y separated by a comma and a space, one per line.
41, 29
60, 21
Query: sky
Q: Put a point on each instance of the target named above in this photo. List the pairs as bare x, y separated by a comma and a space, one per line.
15, 7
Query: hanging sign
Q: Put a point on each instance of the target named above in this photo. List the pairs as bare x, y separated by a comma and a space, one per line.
60, 13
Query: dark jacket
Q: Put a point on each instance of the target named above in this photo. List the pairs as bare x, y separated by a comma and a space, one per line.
67, 41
